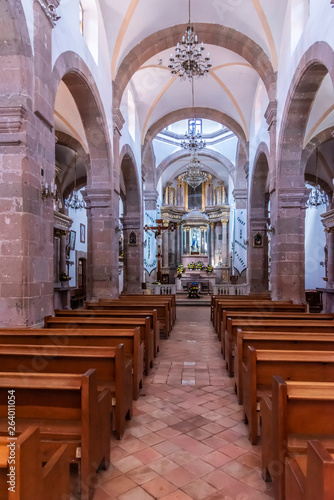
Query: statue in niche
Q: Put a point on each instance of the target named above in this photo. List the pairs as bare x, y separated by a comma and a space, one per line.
195, 240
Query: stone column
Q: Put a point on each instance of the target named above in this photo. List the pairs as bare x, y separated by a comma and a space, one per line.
133, 253
212, 243
165, 247
178, 243
101, 236
288, 248
328, 223
225, 252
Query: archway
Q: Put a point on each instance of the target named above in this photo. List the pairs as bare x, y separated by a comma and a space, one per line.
288, 252
258, 244
132, 223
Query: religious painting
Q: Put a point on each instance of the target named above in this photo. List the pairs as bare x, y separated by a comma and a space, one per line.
72, 240
82, 233
195, 240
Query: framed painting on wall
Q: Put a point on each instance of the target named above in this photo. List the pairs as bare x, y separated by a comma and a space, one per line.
82, 233
72, 240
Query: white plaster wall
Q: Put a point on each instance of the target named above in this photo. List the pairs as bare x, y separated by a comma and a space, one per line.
29, 15
315, 241
79, 217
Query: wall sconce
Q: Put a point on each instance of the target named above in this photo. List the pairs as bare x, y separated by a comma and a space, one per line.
270, 228
49, 191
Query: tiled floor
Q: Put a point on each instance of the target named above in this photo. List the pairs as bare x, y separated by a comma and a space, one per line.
186, 439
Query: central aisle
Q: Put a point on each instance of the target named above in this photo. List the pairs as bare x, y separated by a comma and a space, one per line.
186, 440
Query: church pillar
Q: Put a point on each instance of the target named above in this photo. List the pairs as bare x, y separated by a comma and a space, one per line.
178, 243
212, 243
100, 237
133, 253
225, 252
328, 297
288, 248
165, 246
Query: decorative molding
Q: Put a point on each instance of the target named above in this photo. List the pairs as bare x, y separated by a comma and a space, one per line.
271, 114
328, 220
11, 119
97, 198
50, 11
62, 222
293, 197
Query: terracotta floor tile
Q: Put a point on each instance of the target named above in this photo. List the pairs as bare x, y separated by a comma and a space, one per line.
219, 479
199, 490
128, 463
199, 468
177, 495
142, 475
118, 485
163, 466
166, 448
159, 487
147, 455
180, 477
216, 459
132, 446
136, 494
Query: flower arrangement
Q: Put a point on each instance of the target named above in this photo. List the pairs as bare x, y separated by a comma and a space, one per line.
193, 291
200, 265
156, 282
209, 268
180, 269
191, 265
64, 277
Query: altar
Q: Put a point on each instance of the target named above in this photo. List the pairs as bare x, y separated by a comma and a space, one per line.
206, 281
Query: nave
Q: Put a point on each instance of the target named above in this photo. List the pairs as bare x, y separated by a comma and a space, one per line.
186, 439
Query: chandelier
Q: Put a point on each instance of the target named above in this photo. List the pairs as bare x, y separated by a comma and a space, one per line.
194, 175
189, 61
73, 201
192, 141
317, 196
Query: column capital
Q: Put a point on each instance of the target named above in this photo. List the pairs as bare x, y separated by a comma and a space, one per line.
293, 197
328, 221
271, 113
50, 10
97, 198
118, 120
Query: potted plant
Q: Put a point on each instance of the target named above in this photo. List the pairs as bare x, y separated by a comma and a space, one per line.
193, 291
209, 268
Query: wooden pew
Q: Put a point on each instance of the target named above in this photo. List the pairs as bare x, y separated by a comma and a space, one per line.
255, 316
113, 371
133, 346
235, 298
296, 413
306, 341
32, 479
167, 318
118, 313
68, 410
310, 476
283, 325
257, 305
170, 297
73, 323
255, 312
262, 365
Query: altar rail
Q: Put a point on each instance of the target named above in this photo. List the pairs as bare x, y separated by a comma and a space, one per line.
162, 289
230, 289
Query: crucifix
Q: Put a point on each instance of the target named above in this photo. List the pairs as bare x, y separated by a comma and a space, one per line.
158, 230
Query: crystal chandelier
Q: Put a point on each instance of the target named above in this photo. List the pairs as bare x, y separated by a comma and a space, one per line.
73, 201
194, 175
317, 196
192, 141
188, 61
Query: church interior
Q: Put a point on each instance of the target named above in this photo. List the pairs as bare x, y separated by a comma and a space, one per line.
167, 239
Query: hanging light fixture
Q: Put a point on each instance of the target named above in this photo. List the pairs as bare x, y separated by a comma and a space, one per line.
317, 196
188, 61
194, 176
192, 141
73, 201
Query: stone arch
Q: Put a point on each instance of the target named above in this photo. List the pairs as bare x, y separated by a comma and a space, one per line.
288, 249
258, 217
73, 71
316, 141
179, 155
67, 140
132, 222
214, 34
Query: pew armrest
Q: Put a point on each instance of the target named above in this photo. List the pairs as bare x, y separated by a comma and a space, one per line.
266, 437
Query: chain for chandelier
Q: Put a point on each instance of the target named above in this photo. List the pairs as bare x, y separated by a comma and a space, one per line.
317, 196
189, 61
194, 175
192, 141
73, 201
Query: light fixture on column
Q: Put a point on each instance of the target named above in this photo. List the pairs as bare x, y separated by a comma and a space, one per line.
49, 191
194, 175
188, 61
73, 201
317, 196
